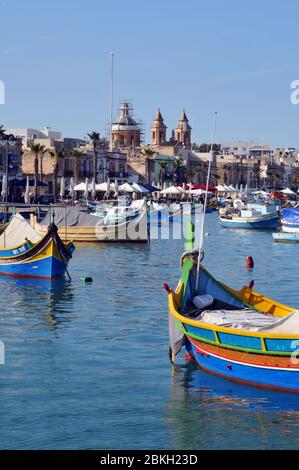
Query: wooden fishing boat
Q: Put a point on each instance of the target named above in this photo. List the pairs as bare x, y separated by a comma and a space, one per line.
286, 237
250, 219
238, 334
78, 226
290, 220
24, 253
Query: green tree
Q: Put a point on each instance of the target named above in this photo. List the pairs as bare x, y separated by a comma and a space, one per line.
95, 140
176, 164
56, 156
257, 170
148, 153
162, 164
2, 132
36, 149
76, 155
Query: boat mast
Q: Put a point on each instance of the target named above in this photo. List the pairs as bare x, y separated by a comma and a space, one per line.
200, 248
111, 98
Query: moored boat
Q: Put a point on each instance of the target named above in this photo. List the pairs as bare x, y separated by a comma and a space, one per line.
290, 220
79, 226
24, 253
240, 335
285, 237
250, 219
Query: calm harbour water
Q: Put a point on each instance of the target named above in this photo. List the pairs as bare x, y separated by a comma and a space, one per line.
87, 365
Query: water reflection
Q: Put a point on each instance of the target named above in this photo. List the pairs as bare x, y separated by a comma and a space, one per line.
207, 412
36, 300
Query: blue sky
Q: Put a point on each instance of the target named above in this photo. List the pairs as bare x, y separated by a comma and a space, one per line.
202, 56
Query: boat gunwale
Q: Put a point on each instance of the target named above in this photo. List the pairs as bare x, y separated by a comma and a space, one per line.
216, 328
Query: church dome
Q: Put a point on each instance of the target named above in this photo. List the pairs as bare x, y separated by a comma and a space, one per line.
125, 122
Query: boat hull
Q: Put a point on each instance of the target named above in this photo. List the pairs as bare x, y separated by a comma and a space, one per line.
46, 259
257, 223
45, 268
132, 231
286, 237
283, 378
263, 356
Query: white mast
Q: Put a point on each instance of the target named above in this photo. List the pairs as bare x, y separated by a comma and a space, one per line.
111, 98
200, 248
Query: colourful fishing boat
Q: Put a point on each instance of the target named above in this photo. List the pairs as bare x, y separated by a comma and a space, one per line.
290, 220
250, 219
286, 237
79, 226
24, 253
237, 334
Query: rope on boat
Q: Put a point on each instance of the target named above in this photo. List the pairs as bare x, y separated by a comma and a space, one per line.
200, 249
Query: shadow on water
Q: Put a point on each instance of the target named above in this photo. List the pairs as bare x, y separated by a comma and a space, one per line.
208, 412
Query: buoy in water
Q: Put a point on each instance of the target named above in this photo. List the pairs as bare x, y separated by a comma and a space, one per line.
86, 279
249, 262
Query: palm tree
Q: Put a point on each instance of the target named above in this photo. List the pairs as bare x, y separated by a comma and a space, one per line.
36, 149
76, 155
57, 155
176, 165
257, 170
2, 132
95, 139
148, 153
163, 165
43, 151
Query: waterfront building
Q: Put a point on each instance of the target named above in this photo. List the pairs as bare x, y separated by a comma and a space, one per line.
29, 135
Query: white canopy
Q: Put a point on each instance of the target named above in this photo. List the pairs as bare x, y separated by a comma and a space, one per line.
220, 188
173, 190
139, 189
80, 187
198, 192
126, 188
287, 191
16, 233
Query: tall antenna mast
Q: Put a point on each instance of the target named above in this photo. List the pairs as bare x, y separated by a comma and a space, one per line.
111, 98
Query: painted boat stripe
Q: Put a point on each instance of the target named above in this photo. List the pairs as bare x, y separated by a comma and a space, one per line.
249, 364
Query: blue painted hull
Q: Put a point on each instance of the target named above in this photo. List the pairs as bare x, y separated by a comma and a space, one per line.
44, 268
285, 380
286, 237
262, 224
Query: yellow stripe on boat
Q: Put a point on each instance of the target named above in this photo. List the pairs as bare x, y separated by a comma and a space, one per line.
279, 310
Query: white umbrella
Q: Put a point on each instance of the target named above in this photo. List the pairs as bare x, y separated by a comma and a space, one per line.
80, 187
173, 190
220, 188
126, 188
86, 188
26, 195
72, 187
115, 188
164, 185
139, 189
4, 186
93, 188
287, 191
62, 187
